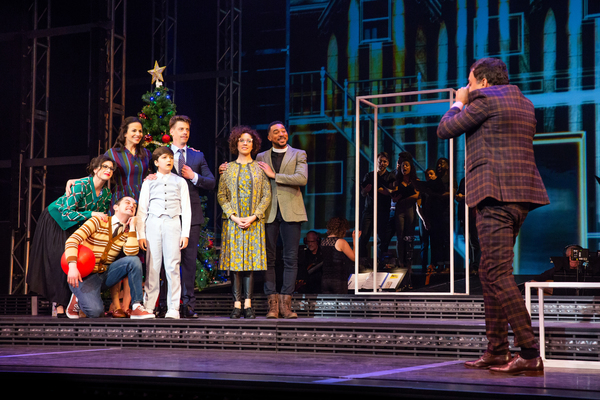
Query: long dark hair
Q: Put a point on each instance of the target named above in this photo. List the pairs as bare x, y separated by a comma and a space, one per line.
406, 156
120, 141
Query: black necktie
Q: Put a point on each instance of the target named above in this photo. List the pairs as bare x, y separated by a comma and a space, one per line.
116, 230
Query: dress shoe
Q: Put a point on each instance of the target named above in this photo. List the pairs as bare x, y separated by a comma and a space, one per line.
519, 365
161, 312
249, 313
236, 313
488, 359
118, 313
188, 312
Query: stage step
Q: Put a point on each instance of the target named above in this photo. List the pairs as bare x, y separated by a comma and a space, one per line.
380, 325
459, 307
381, 336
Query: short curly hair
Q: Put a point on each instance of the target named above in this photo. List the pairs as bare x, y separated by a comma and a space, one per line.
492, 69
337, 226
235, 135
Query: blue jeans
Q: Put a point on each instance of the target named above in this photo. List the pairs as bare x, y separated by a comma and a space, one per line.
88, 292
290, 236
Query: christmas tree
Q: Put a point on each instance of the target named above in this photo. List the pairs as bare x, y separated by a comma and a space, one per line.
157, 112
207, 272
155, 116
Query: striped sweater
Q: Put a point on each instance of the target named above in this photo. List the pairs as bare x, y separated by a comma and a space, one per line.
97, 235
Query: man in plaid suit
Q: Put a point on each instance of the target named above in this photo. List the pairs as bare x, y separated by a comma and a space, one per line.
503, 183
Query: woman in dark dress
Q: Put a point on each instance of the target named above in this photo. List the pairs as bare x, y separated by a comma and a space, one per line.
88, 197
405, 197
337, 253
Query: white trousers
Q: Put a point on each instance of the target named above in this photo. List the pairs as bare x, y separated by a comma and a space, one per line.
162, 236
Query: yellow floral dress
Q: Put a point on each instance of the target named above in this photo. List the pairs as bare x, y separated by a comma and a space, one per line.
244, 190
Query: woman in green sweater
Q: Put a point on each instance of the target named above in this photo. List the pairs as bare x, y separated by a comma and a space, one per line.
89, 197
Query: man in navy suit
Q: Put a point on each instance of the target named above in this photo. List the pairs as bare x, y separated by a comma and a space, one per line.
503, 183
191, 165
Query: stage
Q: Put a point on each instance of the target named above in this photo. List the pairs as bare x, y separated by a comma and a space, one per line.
203, 374
355, 346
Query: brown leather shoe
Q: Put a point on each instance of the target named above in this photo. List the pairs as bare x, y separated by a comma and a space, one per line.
285, 306
488, 359
118, 313
273, 300
519, 365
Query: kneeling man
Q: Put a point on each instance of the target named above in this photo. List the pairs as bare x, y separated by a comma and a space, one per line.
107, 240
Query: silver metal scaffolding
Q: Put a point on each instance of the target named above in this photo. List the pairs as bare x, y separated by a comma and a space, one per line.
29, 168
229, 77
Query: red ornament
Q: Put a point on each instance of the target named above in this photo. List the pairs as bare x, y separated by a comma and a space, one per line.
210, 244
143, 116
166, 138
148, 138
86, 260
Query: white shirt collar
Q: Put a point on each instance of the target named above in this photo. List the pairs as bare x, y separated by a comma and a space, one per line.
281, 150
176, 148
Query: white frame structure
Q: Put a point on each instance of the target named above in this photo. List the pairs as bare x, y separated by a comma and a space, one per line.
542, 330
371, 102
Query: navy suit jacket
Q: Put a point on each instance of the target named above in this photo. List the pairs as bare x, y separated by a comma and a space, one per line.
206, 180
500, 125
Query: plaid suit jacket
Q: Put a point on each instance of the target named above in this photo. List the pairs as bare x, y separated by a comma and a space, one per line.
500, 125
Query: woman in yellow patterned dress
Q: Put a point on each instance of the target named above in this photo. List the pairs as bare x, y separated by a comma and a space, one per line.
244, 195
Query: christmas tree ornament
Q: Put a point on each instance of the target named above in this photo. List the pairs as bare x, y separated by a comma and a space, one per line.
156, 73
166, 138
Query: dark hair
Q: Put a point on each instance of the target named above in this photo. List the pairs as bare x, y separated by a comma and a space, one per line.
235, 135
179, 118
121, 199
337, 226
120, 140
492, 69
275, 123
97, 162
412, 174
384, 154
159, 151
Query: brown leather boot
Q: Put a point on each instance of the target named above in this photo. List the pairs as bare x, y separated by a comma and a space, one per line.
285, 306
273, 300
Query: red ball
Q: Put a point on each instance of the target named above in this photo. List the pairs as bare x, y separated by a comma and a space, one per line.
166, 138
86, 261
148, 138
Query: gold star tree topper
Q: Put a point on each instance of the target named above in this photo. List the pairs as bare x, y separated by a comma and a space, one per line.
156, 73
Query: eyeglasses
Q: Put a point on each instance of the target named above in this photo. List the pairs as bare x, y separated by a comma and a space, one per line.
106, 166
245, 141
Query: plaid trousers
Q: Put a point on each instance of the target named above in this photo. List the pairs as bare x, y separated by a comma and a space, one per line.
498, 225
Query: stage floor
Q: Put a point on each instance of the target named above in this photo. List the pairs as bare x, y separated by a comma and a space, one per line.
174, 373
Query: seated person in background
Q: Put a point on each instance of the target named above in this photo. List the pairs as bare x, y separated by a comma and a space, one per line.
336, 254
566, 269
106, 239
310, 261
